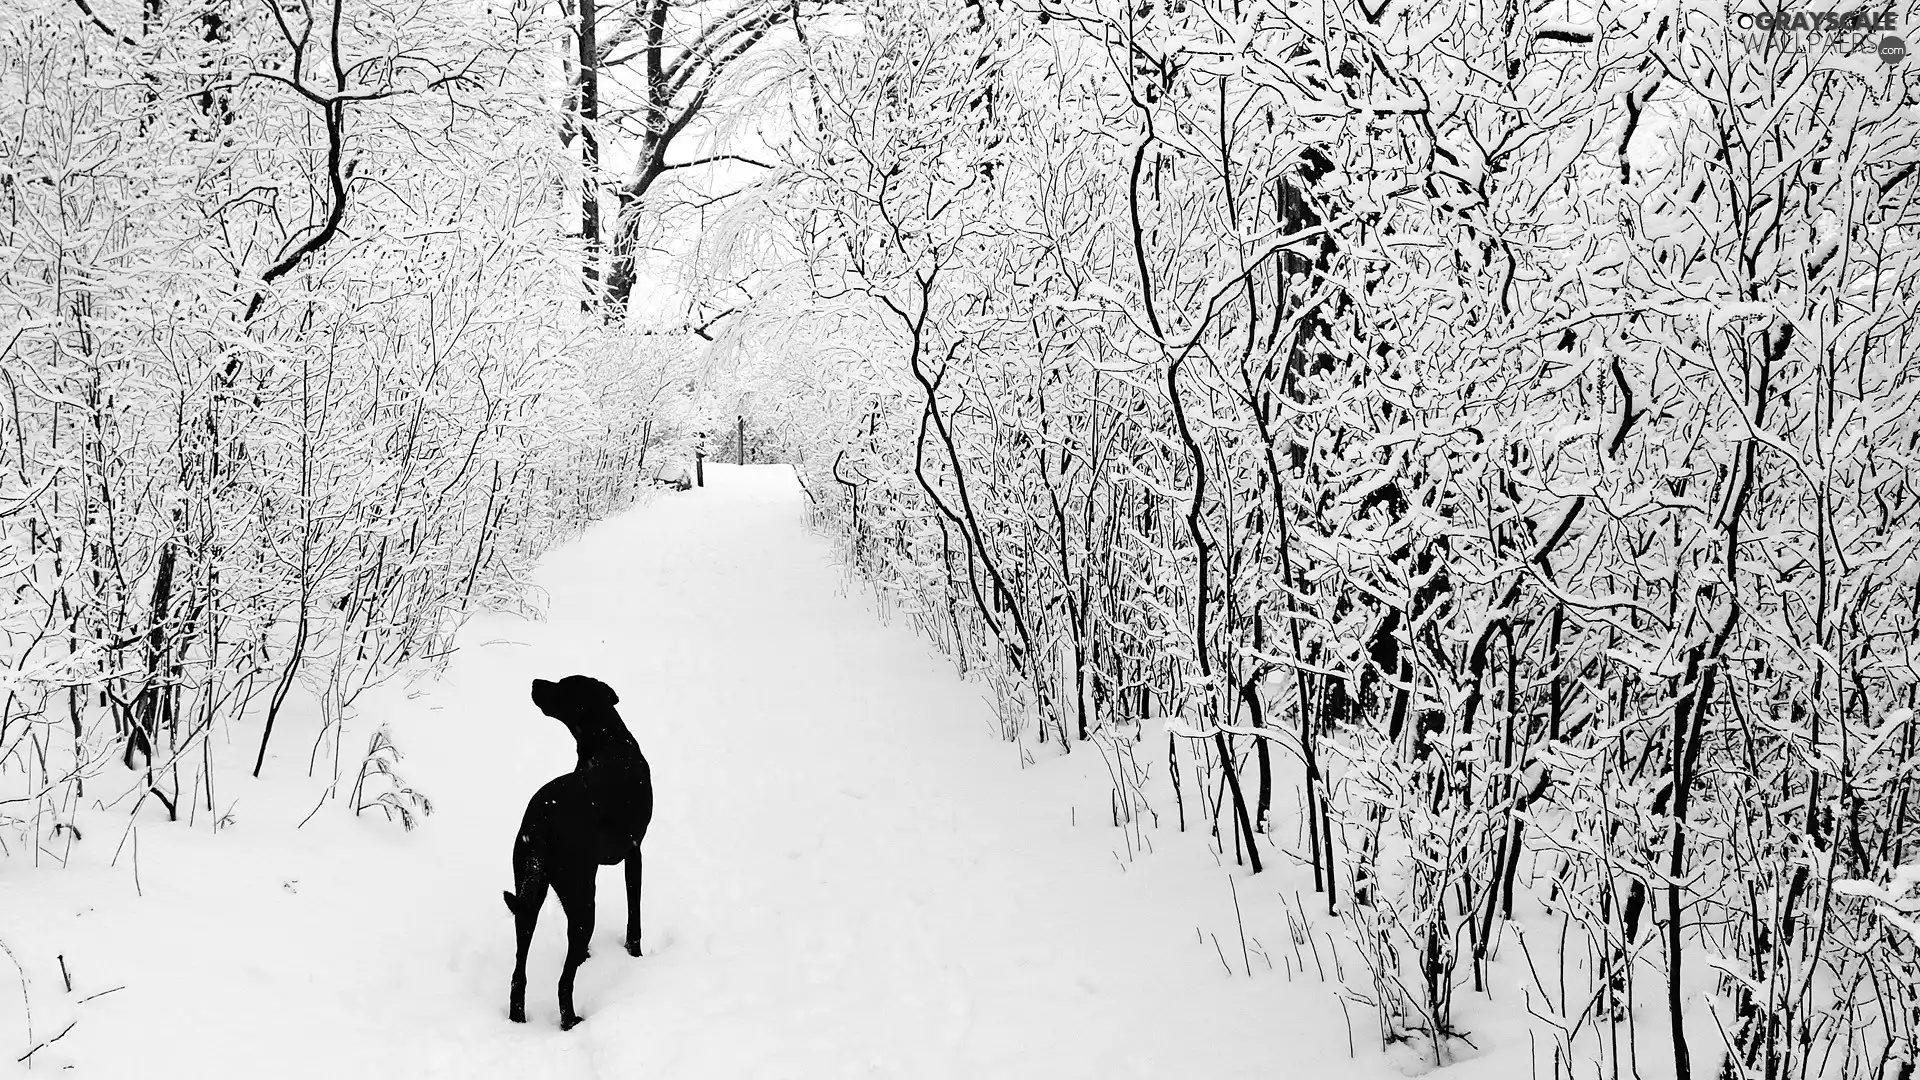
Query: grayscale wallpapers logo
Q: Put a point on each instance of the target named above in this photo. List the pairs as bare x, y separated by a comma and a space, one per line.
1859, 30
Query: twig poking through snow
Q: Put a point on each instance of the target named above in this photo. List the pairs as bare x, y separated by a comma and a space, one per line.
1241, 924
1316, 949
1222, 954
1261, 951
26, 1000
49, 1042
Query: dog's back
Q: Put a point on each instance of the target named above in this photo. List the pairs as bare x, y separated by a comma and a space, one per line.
600, 810
597, 814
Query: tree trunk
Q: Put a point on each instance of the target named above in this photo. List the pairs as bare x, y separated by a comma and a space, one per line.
587, 105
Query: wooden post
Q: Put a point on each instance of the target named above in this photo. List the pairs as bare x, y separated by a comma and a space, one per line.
741, 447
700, 467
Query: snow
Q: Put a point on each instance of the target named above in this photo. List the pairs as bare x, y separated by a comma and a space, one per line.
848, 874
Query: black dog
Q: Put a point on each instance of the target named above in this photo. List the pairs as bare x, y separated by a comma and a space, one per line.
594, 816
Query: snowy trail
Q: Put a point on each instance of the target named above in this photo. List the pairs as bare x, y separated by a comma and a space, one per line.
848, 875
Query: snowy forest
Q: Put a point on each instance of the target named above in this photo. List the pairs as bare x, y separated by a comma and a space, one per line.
1463, 455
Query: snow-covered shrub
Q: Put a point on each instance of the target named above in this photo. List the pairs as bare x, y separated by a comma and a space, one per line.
1507, 412
293, 377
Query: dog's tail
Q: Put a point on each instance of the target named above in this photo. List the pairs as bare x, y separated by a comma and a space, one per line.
508, 897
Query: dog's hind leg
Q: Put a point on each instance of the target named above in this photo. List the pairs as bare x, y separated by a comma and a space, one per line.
532, 894
575, 888
633, 902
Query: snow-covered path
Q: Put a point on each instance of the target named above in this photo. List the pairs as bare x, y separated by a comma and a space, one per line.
848, 875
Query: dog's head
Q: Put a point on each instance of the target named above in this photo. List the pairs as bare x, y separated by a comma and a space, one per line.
574, 698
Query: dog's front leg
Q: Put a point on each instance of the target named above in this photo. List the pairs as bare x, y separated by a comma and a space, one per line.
633, 902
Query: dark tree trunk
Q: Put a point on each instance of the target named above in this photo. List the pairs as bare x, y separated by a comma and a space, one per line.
587, 105
677, 89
